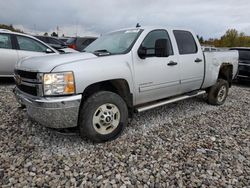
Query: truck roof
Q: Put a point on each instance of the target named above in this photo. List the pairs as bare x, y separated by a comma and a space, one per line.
153, 28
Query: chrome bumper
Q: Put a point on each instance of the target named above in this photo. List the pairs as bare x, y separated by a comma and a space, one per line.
53, 112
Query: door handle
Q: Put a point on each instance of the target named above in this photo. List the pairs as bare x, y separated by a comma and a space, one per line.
172, 63
197, 60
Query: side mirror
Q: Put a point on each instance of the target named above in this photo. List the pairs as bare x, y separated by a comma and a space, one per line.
48, 51
142, 52
161, 48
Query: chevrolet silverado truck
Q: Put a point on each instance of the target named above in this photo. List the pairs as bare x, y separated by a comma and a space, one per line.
122, 72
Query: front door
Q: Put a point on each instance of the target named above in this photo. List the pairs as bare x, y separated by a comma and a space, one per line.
29, 47
156, 77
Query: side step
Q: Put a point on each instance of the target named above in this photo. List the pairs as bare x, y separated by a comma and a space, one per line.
171, 100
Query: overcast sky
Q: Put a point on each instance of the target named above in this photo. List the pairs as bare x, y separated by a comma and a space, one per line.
209, 18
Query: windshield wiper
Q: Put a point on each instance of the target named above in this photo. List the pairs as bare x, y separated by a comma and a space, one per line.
102, 52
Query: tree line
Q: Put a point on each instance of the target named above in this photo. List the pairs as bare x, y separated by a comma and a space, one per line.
232, 38
10, 27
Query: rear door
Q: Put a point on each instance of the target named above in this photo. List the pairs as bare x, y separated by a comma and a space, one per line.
191, 61
8, 55
156, 77
29, 47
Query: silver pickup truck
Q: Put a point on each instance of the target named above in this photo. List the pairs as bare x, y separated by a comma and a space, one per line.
122, 72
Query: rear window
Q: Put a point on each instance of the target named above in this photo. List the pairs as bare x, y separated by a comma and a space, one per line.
185, 41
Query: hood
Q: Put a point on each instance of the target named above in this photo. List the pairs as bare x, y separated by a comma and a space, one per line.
47, 63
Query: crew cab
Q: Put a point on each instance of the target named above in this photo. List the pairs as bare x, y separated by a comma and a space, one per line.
122, 72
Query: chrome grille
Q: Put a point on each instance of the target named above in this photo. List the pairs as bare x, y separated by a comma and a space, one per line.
28, 82
26, 74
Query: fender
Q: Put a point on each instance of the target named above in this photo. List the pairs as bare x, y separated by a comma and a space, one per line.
101, 69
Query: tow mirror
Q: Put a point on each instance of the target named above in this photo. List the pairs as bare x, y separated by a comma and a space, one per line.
161, 48
142, 52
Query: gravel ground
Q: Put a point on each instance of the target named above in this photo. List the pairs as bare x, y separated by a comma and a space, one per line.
185, 144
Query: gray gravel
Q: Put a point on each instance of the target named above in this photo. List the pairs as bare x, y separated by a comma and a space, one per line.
185, 144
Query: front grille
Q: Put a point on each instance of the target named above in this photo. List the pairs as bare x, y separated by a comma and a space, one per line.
28, 89
28, 82
26, 74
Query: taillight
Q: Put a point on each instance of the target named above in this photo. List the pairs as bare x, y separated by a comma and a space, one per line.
73, 46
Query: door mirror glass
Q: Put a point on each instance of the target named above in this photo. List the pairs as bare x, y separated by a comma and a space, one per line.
161, 49
142, 52
48, 51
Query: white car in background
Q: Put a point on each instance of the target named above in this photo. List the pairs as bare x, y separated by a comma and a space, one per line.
209, 49
15, 46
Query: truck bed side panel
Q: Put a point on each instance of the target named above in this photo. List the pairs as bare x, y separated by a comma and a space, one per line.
214, 60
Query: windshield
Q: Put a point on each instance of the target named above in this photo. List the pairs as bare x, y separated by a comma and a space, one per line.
114, 43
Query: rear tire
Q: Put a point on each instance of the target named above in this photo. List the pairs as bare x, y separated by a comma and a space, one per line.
103, 117
218, 93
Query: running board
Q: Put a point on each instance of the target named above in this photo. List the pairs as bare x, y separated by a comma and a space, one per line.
168, 101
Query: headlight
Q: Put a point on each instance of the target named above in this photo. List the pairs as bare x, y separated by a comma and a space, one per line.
59, 83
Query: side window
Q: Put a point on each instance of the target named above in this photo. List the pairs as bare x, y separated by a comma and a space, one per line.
185, 41
152, 37
5, 41
30, 44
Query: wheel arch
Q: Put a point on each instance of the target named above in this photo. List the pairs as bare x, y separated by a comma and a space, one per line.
118, 86
226, 73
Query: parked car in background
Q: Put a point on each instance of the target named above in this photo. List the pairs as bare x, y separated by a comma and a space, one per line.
79, 43
244, 63
209, 49
129, 70
15, 46
52, 41
56, 44
63, 39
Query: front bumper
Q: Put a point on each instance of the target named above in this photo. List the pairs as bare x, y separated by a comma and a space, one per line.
53, 112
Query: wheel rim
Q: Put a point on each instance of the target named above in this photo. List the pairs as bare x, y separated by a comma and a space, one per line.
106, 118
222, 93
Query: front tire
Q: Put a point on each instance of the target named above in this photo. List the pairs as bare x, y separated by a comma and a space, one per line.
103, 117
218, 93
